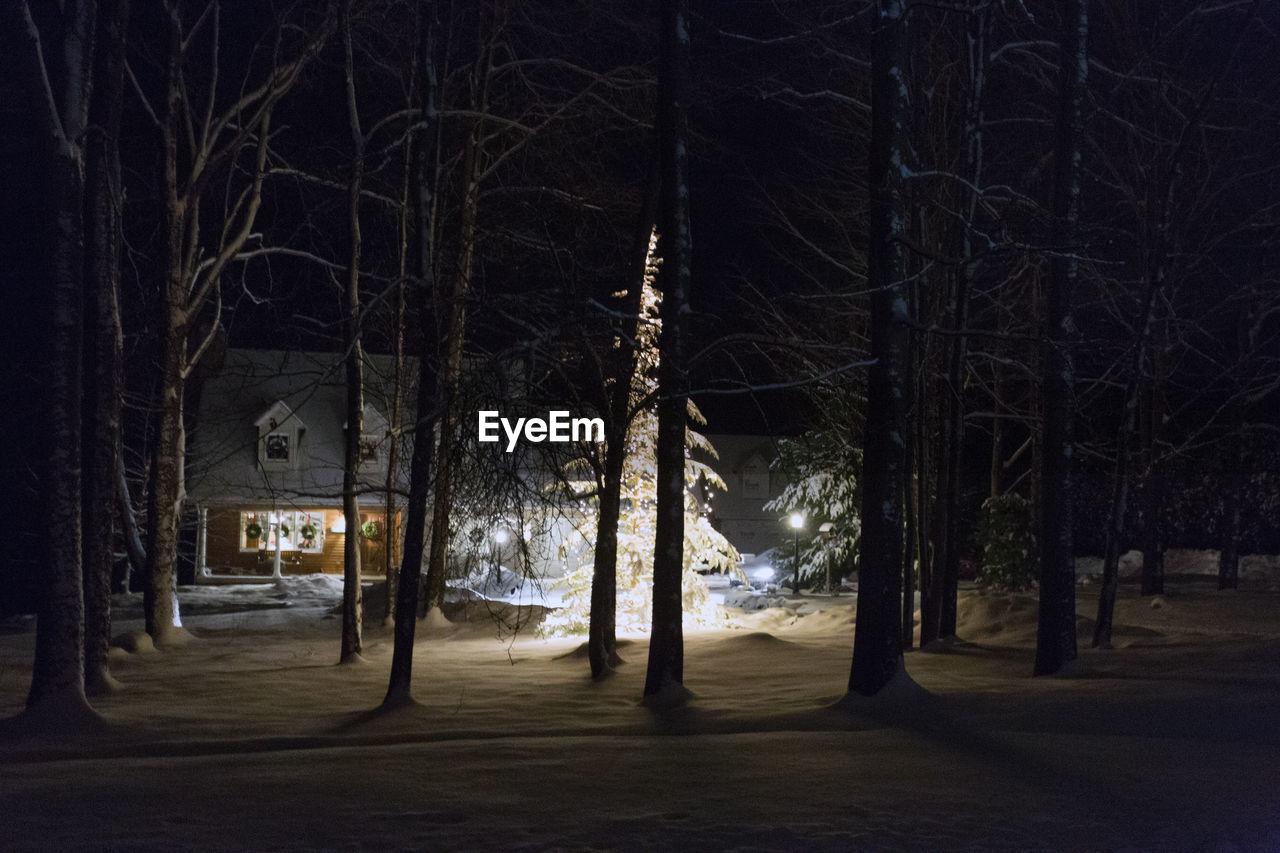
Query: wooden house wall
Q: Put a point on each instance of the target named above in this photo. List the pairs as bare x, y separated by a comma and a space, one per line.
223, 554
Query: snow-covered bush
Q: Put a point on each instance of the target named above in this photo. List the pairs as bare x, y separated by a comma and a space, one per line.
824, 487
1006, 537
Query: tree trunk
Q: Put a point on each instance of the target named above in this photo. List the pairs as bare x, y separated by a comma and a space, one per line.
57, 673
450, 379
1118, 508
415, 533
104, 388
943, 505
353, 364
1056, 631
391, 562
923, 540
877, 644
958, 351
664, 679
1113, 543
136, 562
1229, 555
165, 490
1153, 534
602, 641
909, 504
415, 527
1152, 494
913, 534
956, 368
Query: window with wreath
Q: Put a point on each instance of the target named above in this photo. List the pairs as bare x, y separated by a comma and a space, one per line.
297, 530
277, 447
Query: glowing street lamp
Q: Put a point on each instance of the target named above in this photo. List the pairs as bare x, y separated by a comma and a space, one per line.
797, 522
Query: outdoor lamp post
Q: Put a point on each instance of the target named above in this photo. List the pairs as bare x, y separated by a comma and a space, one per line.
797, 522
500, 538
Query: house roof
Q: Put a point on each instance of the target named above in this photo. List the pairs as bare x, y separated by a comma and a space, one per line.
305, 393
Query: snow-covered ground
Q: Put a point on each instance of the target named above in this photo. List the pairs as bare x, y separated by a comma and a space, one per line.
251, 738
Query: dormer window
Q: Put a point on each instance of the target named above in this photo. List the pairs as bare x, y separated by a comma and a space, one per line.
369, 450
279, 435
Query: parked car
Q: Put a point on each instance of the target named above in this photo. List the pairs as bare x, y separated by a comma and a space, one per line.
762, 570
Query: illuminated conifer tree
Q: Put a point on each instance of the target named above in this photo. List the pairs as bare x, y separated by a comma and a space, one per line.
704, 546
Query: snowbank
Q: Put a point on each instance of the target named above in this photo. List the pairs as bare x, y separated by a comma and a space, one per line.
1258, 570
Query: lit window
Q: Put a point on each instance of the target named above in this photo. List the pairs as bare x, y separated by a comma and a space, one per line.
311, 531
298, 531
253, 531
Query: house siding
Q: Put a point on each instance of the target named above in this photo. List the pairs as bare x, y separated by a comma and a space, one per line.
745, 464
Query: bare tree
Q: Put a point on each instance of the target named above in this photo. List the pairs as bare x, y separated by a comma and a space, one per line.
201, 139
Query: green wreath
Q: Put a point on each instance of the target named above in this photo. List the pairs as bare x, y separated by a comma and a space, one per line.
309, 531
369, 530
284, 529
253, 530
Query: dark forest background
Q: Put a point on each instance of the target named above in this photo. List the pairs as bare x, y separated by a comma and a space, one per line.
1177, 307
